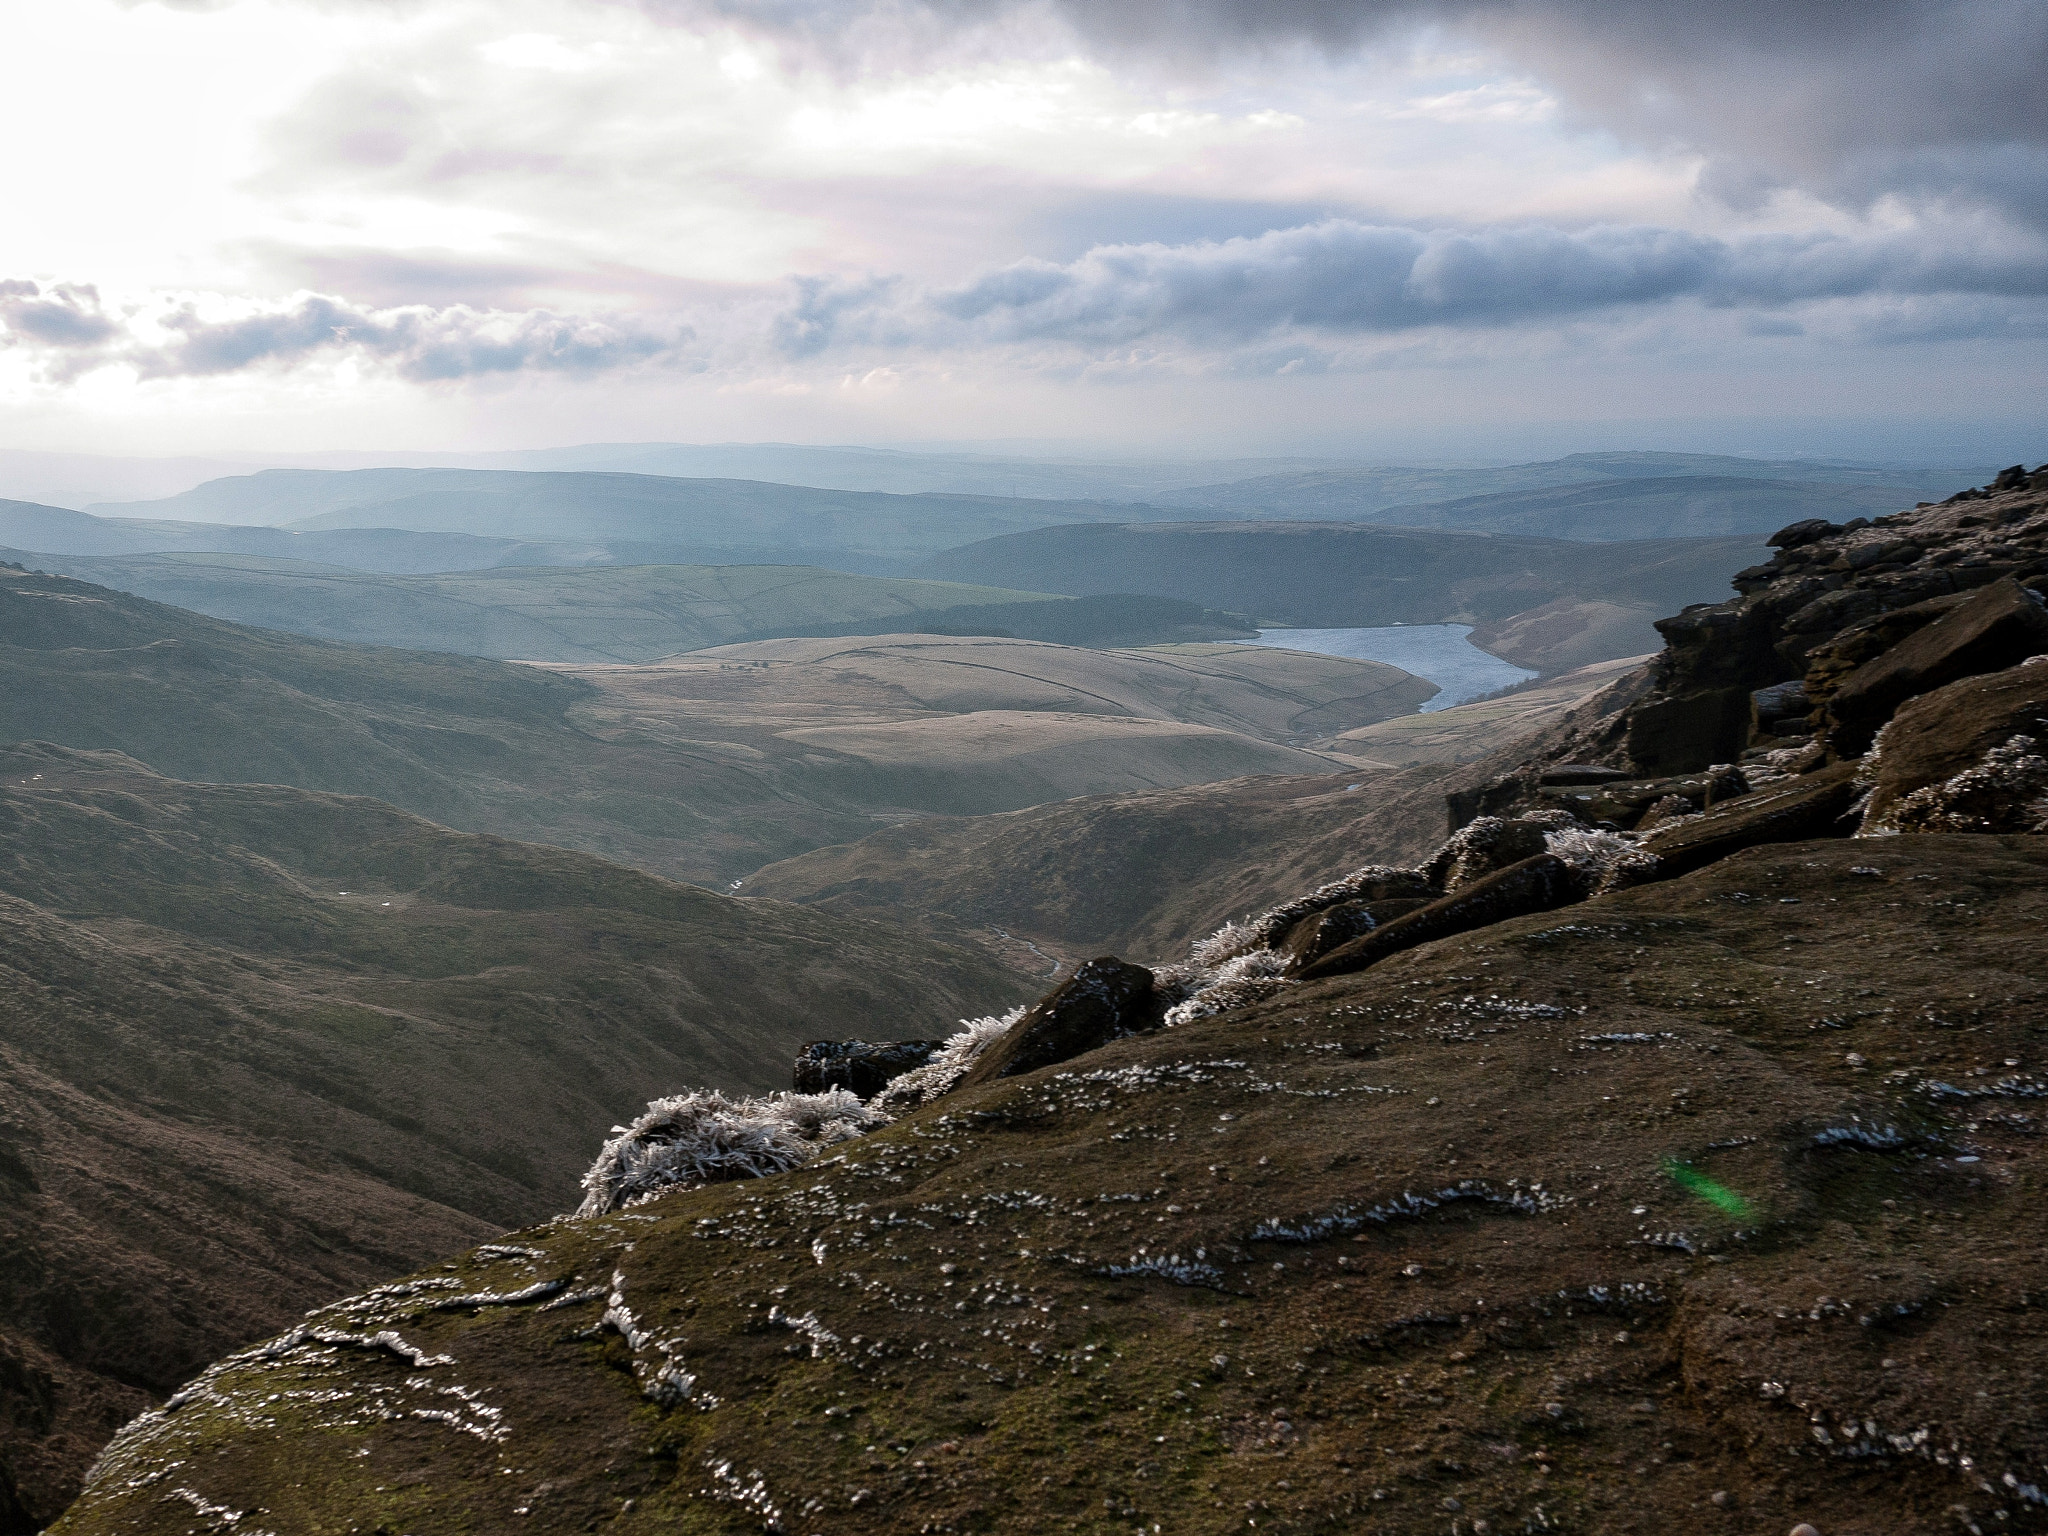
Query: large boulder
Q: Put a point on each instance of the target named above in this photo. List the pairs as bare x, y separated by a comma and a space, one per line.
1538, 884
1320, 932
862, 1067
1106, 999
1953, 731
1999, 626
1812, 805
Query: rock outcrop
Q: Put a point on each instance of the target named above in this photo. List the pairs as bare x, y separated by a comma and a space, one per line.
1104, 1000
862, 1067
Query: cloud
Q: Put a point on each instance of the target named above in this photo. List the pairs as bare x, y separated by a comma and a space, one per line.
68, 315
71, 335
1287, 300
1341, 278
1853, 101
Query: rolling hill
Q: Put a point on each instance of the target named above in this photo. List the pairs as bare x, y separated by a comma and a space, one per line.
538, 613
259, 1047
1146, 873
1669, 506
703, 769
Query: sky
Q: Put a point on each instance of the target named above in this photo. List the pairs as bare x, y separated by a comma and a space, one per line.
1456, 228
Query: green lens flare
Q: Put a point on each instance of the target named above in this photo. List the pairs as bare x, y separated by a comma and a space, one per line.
1720, 1196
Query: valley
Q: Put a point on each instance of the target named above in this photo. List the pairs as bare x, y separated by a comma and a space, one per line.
703, 768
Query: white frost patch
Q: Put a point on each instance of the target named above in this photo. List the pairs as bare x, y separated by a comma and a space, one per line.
821, 1337
660, 1373
703, 1137
1592, 854
1237, 983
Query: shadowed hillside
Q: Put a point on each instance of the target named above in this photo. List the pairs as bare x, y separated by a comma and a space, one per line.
262, 1047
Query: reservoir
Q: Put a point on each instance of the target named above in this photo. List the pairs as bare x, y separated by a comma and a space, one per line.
1439, 652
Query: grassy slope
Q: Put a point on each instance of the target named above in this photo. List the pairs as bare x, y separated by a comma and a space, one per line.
263, 1046
530, 613
970, 725
1326, 491
1468, 732
1615, 1354
693, 781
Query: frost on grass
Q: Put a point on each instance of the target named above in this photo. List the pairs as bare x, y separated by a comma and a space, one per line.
1166, 1266
950, 1062
1244, 979
703, 1137
1593, 854
1344, 1220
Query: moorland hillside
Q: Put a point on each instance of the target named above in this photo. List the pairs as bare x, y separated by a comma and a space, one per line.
1374, 493
1660, 1154
544, 613
1146, 873
263, 1047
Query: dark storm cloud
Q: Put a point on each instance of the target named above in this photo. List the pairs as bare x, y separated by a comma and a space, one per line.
1932, 101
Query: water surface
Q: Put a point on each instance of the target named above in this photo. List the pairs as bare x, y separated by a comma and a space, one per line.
1439, 652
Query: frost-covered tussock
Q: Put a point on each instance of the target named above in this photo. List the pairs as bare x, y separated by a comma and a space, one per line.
1592, 854
949, 1063
2006, 792
1167, 1266
703, 1137
1245, 979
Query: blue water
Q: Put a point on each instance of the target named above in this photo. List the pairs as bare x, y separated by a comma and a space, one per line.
1439, 652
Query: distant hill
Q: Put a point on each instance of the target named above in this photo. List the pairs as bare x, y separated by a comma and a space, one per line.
639, 518
1375, 492
263, 1047
1338, 575
57, 531
1666, 506
703, 769
539, 613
